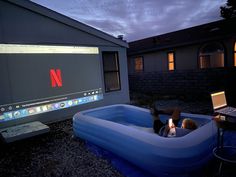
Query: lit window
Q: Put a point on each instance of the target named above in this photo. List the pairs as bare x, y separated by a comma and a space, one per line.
138, 64
235, 54
111, 71
171, 61
211, 56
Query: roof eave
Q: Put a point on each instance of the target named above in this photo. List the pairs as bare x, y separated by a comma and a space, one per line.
154, 49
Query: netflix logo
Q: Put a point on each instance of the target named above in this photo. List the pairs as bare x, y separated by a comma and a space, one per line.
56, 79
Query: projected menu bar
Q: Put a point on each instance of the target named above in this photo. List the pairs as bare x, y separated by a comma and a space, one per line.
31, 103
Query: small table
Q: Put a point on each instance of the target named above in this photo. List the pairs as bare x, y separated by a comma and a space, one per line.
225, 154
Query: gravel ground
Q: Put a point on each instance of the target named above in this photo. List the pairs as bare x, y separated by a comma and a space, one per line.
57, 154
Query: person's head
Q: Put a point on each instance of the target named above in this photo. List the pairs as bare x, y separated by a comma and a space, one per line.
189, 124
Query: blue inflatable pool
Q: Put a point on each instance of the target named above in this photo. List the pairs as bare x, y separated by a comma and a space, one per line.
127, 131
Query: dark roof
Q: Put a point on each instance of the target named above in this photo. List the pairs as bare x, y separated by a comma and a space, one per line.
198, 34
66, 20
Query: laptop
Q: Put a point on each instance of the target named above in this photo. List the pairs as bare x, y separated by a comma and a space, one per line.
220, 104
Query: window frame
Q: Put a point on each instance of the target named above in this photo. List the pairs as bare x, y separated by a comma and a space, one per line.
234, 54
111, 71
200, 55
137, 71
168, 62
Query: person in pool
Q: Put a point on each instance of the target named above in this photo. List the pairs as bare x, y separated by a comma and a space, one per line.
171, 129
187, 126
157, 123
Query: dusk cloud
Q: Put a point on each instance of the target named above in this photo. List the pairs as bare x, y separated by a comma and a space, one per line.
137, 19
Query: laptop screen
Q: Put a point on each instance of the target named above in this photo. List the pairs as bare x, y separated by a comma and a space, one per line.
218, 100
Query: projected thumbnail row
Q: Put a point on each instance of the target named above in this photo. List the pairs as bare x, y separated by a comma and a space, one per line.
49, 107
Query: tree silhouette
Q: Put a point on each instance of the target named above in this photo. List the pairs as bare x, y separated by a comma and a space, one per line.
229, 10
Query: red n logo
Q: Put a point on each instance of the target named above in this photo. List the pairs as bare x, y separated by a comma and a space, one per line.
55, 75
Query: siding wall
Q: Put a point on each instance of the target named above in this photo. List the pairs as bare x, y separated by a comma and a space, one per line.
186, 57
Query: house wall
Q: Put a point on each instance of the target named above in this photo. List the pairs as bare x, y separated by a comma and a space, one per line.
151, 61
22, 26
121, 96
186, 57
229, 50
187, 80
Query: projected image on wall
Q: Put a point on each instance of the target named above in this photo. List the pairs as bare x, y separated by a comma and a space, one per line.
37, 79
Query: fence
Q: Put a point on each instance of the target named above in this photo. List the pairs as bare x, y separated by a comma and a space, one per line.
192, 84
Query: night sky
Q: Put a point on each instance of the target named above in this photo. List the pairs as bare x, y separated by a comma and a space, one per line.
137, 19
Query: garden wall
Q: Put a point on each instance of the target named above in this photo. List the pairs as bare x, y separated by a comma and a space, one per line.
190, 84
